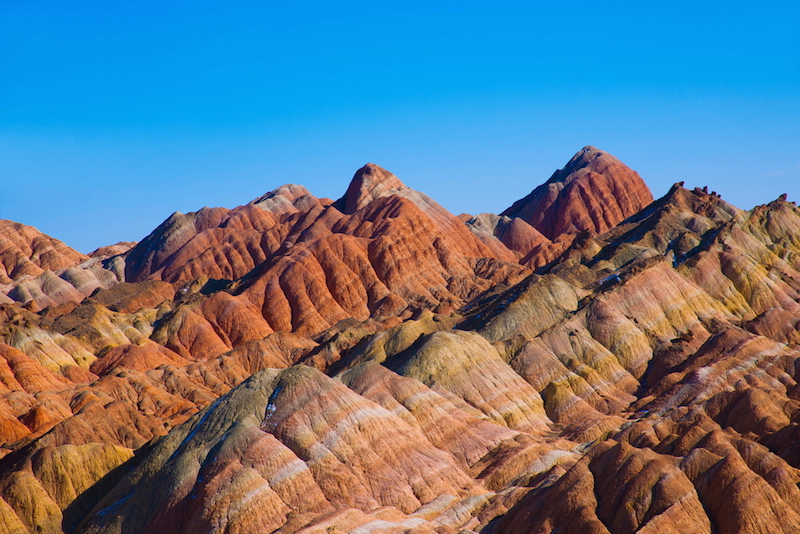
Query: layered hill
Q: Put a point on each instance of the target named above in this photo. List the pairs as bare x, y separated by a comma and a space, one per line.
40, 271
592, 193
376, 364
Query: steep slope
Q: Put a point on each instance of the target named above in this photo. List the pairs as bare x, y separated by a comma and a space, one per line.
25, 251
375, 364
713, 408
592, 193
306, 263
40, 271
595, 191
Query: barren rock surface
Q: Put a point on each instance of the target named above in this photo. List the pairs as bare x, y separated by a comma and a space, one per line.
376, 364
595, 191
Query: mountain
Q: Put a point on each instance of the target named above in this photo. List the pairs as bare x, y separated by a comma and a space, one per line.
592, 193
40, 271
587, 361
595, 191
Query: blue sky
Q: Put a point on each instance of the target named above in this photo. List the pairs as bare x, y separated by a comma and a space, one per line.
113, 116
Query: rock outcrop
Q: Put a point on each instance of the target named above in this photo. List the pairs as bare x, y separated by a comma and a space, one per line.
593, 193
306, 263
25, 251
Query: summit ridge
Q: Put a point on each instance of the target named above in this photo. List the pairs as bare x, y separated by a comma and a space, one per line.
594, 191
369, 183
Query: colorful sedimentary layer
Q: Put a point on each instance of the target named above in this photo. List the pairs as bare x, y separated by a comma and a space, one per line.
376, 364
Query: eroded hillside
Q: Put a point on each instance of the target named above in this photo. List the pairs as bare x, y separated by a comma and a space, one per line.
587, 361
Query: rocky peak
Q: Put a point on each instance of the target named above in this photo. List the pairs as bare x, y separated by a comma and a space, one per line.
594, 191
370, 182
588, 156
24, 251
288, 198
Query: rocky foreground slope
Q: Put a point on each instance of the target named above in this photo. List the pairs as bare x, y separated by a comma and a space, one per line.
587, 361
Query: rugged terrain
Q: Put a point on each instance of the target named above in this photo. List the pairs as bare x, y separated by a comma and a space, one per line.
590, 360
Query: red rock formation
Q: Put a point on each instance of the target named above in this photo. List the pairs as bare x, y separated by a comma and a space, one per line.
40, 271
595, 191
24, 250
136, 357
112, 250
369, 183
381, 250
645, 381
130, 298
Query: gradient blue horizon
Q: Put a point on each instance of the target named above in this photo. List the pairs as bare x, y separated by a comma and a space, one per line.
114, 116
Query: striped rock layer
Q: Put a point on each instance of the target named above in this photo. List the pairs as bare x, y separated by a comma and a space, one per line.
375, 364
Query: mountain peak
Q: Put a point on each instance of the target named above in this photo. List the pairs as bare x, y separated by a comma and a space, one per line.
594, 191
587, 154
370, 182
284, 199
588, 157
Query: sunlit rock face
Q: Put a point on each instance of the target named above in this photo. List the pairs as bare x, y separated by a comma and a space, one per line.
591, 194
40, 271
376, 364
302, 264
25, 251
594, 191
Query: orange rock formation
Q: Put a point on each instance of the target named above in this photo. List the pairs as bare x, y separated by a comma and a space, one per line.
376, 364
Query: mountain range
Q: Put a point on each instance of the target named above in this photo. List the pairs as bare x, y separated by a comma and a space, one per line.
589, 360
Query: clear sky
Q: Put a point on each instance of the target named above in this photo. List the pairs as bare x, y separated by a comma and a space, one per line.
115, 114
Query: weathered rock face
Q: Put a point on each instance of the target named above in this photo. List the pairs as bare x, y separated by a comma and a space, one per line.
24, 251
306, 263
595, 191
370, 183
592, 194
40, 271
376, 364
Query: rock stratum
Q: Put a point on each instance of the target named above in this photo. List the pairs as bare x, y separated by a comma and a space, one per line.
589, 360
